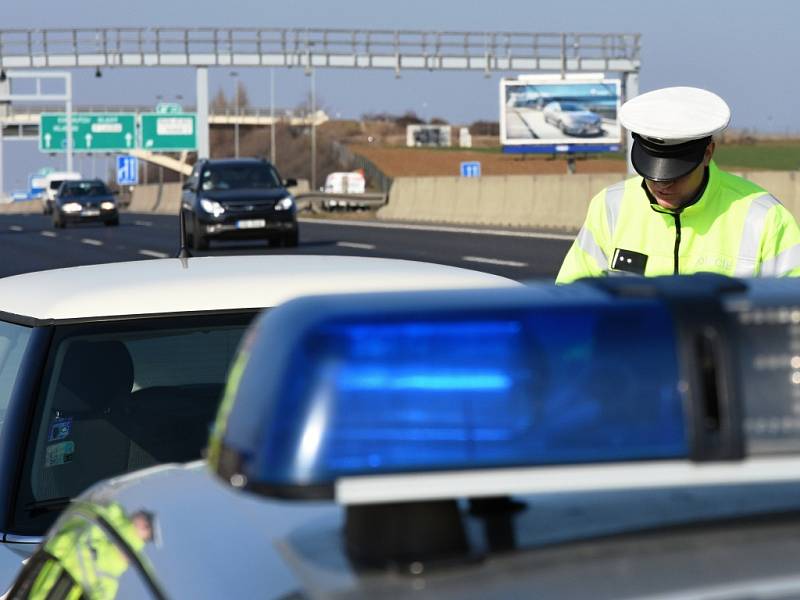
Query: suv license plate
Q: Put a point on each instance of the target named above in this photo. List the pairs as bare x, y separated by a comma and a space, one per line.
251, 224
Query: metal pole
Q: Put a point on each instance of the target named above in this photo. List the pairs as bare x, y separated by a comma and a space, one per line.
236, 116
2, 124
203, 150
631, 90
70, 141
313, 130
272, 115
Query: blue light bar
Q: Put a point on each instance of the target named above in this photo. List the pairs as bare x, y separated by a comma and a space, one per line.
382, 386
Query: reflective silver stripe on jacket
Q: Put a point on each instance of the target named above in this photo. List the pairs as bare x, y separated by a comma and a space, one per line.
747, 263
586, 243
783, 263
614, 195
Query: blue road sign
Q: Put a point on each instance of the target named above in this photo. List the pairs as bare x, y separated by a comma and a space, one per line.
471, 169
127, 170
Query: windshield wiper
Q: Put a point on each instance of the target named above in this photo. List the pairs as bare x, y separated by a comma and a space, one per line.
46, 506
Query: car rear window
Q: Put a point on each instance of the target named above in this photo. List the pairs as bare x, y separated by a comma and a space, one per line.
119, 397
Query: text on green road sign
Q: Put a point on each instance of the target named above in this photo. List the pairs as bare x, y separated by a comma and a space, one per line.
164, 132
91, 132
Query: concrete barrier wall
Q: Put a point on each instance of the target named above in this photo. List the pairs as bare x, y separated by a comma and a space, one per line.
538, 201
168, 201
27, 207
556, 202
143, 198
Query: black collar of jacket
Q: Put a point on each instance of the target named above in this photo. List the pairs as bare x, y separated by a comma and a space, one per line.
658, 208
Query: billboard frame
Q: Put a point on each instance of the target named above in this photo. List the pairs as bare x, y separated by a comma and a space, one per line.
565, 145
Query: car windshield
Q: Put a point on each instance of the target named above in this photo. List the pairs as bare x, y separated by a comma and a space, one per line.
571, 107
13, 341
121, 396
85, 188
238, 177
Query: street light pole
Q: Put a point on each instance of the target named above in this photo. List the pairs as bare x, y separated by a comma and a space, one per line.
313, 130
272, 115
235, 76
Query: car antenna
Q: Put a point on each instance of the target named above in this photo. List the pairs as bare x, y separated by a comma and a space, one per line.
183, 251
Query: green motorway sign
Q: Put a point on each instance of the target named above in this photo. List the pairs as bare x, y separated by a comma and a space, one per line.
91, 132
167, 132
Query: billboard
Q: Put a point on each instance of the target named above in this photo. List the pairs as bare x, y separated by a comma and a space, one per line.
551, 114
436, 136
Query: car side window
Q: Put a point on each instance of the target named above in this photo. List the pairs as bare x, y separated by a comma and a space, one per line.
90, 556
13, 342
118, 397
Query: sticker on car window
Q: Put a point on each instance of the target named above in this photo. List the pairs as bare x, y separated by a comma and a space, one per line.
60, 429
59, 454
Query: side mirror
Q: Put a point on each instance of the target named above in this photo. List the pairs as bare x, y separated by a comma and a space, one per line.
290, 183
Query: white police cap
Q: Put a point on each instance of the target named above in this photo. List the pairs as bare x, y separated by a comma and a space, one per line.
671, 129
675, 115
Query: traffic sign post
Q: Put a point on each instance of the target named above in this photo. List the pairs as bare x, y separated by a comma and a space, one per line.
471, 169
127, 170
169, 132
91, 132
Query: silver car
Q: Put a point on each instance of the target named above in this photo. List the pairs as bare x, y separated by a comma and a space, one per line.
573, 118
106, 369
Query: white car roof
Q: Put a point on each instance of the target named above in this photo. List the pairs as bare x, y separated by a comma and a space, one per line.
217, 283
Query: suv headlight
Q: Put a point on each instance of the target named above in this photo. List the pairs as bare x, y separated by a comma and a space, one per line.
71, 207
107, 205
285, 203
212, 207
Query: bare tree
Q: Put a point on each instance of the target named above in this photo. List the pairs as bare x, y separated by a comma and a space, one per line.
241, 96
220, 103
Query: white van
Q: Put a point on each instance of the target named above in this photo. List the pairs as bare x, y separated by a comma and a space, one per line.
344, 183
53, 181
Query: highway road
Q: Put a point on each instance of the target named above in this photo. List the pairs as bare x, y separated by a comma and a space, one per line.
30, 243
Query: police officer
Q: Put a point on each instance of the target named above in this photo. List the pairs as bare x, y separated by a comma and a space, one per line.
683, 215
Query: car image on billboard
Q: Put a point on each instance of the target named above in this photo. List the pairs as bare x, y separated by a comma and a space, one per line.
541, 112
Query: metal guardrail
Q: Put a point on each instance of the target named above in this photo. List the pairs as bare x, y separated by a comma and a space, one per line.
374, 174
317, 201
295, 47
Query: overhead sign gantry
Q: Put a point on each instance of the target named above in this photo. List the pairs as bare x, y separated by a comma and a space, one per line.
309, 49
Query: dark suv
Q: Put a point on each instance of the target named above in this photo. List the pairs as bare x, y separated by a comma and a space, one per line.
242, 198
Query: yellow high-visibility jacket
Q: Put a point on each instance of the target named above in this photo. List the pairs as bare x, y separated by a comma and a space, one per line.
735, 228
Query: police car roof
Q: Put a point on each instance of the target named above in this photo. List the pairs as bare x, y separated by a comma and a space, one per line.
216, 284
297, 546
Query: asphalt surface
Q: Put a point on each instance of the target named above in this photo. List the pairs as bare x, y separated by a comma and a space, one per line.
30, 243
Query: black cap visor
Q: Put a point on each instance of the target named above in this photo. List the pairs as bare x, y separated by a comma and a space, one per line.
660, 162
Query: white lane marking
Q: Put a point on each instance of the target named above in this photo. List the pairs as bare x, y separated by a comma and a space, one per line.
501, 232
143, 223
355, 245
50, 234
15, 228
154, 253
91, 242
494, 261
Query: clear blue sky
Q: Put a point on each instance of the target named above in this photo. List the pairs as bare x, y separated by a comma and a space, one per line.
743, 50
